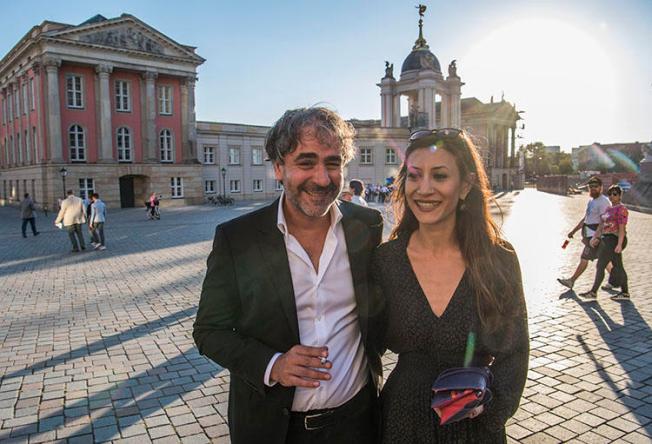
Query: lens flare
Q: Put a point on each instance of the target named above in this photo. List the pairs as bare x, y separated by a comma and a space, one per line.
622, 159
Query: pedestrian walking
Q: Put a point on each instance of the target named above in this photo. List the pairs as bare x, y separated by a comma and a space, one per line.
72, 216
28, 214
596, 207
96, 222
613, 234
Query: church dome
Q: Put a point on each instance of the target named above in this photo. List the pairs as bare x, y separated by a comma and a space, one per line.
421, 58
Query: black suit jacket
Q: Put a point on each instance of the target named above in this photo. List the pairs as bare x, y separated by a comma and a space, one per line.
247, 312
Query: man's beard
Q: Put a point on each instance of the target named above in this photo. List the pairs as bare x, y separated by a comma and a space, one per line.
325, 197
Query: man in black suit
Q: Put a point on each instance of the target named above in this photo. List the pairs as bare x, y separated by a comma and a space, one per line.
286, 304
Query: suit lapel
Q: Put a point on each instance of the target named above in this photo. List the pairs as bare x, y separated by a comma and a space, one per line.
275, 259
356, 234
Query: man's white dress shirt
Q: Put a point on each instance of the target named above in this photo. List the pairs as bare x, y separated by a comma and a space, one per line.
327, 315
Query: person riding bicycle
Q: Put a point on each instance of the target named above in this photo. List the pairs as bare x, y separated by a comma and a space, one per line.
153, 206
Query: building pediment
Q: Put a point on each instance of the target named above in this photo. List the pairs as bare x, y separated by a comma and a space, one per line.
125, 33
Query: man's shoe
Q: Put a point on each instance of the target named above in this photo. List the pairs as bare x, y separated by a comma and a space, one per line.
75, 250
102, 247
622, 296
37, 233
24, 235
83, 248
608, 287
588, 296
566, 282
96, 246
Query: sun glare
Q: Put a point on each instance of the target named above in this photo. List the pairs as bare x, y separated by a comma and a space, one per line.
549, 68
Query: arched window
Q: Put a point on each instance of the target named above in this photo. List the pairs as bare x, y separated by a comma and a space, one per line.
77, 143
123, 142
166, 145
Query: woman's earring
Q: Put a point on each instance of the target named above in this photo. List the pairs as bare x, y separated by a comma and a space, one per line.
461, 204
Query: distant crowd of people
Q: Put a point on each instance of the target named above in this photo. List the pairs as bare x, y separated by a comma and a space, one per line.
360, 194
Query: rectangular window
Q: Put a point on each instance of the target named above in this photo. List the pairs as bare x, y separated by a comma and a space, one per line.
4, 112
209, 186
10, 108
25, 99
32, 98
20, 148
86, 187
234, 155
165, 100
257, 155
176, 187
279, 186
390, 156
258, 185
122, 99
209, 155
35, 143
28, 148
74, 96
17, 101
234, 186
366, 156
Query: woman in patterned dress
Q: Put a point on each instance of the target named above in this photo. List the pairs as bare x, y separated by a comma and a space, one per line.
444, 273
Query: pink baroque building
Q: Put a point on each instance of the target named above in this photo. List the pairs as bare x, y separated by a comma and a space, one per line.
105, 106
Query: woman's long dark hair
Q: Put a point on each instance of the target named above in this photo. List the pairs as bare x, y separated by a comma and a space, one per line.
478, 236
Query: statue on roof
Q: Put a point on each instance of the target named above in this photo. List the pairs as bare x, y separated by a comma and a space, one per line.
452, 69
389, 69
422, 9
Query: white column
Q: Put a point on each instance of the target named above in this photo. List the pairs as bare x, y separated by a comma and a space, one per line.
53, 109
445, 111
38, 137
430, 108
396, 110
188, 124
150, 152
105, 153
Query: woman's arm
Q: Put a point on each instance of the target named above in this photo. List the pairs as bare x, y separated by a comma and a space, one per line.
511, 348
621, 238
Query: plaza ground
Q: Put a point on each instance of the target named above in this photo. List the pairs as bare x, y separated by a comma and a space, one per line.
97, 346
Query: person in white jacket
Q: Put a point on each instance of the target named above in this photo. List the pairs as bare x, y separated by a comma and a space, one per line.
72, 215
96, 223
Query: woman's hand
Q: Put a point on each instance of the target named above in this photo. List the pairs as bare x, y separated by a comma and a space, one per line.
618, 249
594, 242
476, 411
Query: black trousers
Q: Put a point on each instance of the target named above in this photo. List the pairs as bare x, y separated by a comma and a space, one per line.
32, 223
360, 427
606, 254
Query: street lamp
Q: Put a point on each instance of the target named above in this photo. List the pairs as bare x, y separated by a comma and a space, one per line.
223, 170
64, 173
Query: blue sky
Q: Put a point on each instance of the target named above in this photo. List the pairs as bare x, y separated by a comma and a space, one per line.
582, 70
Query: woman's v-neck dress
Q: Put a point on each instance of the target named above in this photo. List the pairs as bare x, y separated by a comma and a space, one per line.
427, 345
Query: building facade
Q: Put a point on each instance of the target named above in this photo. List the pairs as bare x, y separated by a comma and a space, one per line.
108, 106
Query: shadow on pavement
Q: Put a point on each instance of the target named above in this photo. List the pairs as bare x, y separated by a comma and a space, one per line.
626, 342
129, 401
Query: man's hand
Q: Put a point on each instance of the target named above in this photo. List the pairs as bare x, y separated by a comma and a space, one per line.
571, 234
594, 242
298, 367
618, 249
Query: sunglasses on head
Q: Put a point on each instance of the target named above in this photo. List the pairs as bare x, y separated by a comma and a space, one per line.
594, 185
439, 132
614, 193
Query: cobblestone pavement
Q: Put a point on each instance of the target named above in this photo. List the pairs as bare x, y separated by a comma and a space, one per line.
97, 347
